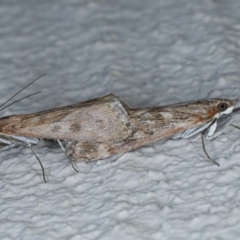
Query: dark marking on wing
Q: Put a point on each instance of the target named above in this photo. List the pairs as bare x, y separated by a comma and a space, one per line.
75, 127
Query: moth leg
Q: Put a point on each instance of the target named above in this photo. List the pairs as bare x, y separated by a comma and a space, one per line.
59, 142
7, 143
204, 149
219, 132
39, 161
7, 146
64, 150
192, 131
12, 141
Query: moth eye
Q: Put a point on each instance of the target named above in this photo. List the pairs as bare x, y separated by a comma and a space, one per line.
222, 106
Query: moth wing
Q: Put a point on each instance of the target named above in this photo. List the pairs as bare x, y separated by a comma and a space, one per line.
88, 151
98, 120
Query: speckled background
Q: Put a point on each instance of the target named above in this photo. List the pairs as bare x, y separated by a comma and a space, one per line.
149, 53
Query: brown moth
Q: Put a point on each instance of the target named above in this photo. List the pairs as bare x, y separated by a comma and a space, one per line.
105, 126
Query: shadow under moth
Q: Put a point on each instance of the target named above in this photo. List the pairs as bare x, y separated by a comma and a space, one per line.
105, 126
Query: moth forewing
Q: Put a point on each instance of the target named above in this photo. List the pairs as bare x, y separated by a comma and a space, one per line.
98, 120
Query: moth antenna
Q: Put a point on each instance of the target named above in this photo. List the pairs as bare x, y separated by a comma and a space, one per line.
23, 89
43, 172
234, 126
204, 149
59, 142
20, 100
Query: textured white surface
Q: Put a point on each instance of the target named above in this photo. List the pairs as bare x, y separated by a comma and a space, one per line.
149, 53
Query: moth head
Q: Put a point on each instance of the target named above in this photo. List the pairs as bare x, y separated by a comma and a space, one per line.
224, 107
222, 117
213, 115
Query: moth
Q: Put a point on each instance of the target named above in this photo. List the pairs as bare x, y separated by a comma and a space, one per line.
105, 126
